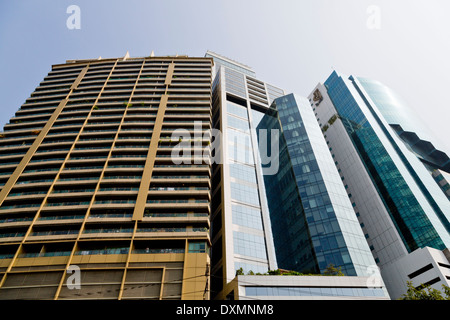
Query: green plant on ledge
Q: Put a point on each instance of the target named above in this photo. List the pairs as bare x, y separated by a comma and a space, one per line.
331, 270
425, 292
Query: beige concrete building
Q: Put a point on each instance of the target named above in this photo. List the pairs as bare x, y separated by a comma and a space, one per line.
90, 194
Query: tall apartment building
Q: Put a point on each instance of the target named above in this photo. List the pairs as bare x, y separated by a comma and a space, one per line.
400, 207
241, 232
89, 184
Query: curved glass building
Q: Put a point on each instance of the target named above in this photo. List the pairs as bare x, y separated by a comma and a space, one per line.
406, 124
386, 173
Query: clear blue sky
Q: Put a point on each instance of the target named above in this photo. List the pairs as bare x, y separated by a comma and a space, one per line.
293, 44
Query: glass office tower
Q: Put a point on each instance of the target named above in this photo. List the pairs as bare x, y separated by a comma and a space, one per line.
241, 233
411, 130
399, 205
313, 222
88, 181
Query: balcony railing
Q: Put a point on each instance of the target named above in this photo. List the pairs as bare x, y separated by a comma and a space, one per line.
110, 215
12, 235
109, 230
72, 203
64, 217
45, 254
54, 232
177, 201
156, 251
15, 220
102, 251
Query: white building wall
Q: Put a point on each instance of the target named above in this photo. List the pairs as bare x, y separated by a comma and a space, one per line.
395, 274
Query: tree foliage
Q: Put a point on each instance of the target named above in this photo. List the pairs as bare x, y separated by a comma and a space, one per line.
424, 292
331, 270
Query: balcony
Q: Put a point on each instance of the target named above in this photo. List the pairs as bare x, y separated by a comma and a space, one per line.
65, 220
15, 221
172, 232
53, 235
15, 236
28, 125
103, 232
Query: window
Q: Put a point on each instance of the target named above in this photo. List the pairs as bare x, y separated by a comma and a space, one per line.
244, 193
444, 265
237, 110
197, 247
420, 271
246, 267
312, 291
247, 216
237, 123
249, 245
243, 172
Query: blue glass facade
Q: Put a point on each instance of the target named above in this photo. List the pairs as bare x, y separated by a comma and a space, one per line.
249, 243
384, 100
406, 124
408, 215
293, 245
313, 223
313, 291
